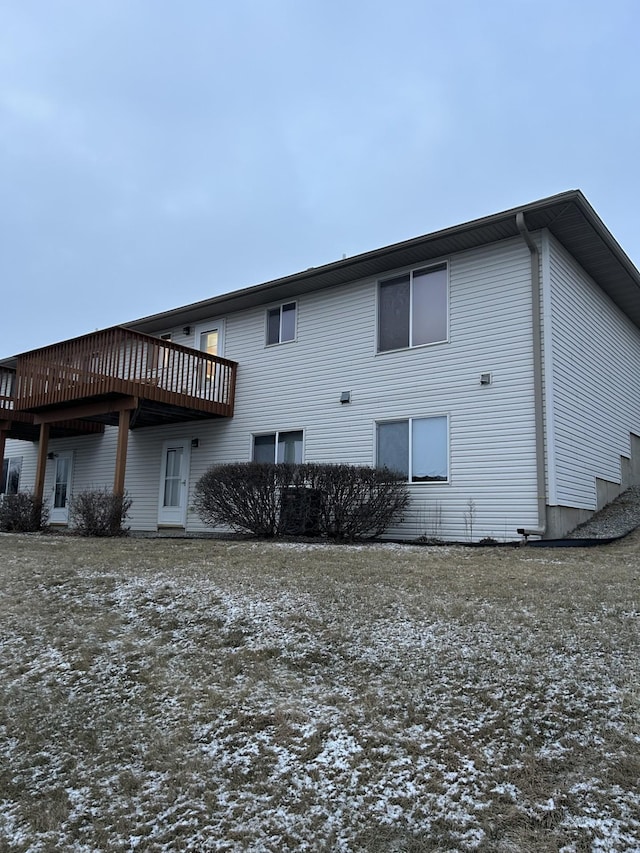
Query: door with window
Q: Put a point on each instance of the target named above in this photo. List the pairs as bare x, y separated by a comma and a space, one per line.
61, 493
210, 339
174, 483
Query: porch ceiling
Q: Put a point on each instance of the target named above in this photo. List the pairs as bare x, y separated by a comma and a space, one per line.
22, 426
99, 412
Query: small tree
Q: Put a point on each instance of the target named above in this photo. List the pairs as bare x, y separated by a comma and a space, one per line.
22, 513
98, 512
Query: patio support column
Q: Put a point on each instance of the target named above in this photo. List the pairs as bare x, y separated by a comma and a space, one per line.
3, 439
43, 447
124, 419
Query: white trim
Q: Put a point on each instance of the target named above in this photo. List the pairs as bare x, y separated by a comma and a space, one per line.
11, 461
201, 328
431, 266
280, 305
276, 433
549, 384
409, 420
60, 515
175, 516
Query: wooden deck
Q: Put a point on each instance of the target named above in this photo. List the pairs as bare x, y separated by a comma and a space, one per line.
170, 382
21, 425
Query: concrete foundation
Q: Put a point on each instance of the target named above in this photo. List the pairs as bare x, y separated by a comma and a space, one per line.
563, 519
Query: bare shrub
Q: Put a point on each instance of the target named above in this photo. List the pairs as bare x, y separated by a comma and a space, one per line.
358, 502
342, 502
22, 513
245, 496
98, 512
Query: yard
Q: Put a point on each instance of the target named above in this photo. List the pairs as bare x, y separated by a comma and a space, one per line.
165, 695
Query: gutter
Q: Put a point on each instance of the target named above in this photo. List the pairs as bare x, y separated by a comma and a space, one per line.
536, 327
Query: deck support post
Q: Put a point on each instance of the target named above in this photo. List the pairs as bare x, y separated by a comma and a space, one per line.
3, 440
124, 419
43, 447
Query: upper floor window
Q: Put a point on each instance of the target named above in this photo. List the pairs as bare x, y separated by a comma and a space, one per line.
278, 447
413, 309
281, 323
11, 469
416, 447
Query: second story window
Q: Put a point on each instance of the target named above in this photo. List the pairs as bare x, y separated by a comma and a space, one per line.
281, 324
413, 309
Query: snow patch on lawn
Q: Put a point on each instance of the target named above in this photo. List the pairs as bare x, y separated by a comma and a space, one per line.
191, 713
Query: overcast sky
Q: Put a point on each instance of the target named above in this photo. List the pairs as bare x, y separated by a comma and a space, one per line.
158, 152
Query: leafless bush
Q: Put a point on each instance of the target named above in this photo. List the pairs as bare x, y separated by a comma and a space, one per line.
245, 496
98, 512
22, 513
357, 502
342, 502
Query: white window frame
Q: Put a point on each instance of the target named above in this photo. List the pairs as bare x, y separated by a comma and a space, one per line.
279, 308
276, 434
202, 328
434, 267
16, 460
410, 421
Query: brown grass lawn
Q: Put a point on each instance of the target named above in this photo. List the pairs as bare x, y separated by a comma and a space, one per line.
202, 695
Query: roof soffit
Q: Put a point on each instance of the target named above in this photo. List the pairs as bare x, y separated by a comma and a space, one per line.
568, 216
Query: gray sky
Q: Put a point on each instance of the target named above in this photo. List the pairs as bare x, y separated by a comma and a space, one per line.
158, 152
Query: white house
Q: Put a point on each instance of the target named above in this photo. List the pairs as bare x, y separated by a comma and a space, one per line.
497, 363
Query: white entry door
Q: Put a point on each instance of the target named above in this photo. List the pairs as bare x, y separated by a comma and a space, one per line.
174, 483
61, 488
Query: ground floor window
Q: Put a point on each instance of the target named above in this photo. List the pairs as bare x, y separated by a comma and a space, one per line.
417, 447
278, 447
11, 469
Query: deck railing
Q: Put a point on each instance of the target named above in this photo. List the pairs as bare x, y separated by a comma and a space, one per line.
7, 380
21, 421
119, 361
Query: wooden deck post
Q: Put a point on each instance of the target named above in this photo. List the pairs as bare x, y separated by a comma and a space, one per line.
124, 419
43, 446
3, 439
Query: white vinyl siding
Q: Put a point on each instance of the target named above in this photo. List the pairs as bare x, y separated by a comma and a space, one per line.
492, 447
491, 428
596, 382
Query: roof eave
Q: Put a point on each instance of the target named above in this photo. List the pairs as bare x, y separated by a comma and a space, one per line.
547, 212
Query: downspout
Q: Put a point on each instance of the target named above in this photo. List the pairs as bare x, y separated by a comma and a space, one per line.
537, 380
